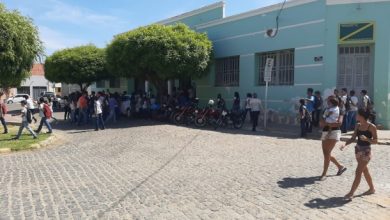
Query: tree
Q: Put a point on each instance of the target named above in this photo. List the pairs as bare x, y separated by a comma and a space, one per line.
158, 53
79, 65
19, 47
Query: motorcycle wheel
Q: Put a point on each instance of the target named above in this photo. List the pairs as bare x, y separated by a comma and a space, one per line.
200, 122
238, 123
178, 118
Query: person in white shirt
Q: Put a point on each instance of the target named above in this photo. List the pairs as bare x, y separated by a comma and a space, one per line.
332, 120
255, 106
98, 114
25, 123
30, 106
352, 112
44, 118
365, 100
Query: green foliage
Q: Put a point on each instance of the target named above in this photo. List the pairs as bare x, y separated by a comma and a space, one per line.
158, 53
80, 65
19, 47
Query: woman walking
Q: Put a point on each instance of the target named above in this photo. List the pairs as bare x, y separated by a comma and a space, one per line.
366, 134
331, 134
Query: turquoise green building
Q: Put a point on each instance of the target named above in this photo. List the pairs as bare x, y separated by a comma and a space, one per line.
321, 44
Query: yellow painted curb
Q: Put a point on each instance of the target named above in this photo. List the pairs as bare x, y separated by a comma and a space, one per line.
5, 150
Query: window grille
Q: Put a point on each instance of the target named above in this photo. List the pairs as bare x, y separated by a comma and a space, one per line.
227, 71
283, 70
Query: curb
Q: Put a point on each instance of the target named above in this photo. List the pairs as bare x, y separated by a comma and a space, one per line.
46, 143
5, 150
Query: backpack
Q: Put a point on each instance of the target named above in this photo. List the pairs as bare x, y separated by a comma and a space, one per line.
47, 111
29, 116
4, 108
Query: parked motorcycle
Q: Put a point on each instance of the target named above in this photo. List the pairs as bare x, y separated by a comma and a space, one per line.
206, 116
187, 114
230, 119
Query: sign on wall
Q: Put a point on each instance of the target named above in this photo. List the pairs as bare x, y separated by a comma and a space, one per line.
269, 64
357, 32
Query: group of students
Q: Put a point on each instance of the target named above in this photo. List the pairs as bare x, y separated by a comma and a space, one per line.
80, 107
27, 114
341, 114
312, 109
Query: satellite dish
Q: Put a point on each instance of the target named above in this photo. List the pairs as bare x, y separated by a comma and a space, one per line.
271, 33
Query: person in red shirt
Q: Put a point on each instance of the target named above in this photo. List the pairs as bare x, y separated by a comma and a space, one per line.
2, 114
83, 107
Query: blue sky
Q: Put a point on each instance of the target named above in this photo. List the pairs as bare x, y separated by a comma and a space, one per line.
68, 23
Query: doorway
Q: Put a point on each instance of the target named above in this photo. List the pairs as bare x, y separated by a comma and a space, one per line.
355, 69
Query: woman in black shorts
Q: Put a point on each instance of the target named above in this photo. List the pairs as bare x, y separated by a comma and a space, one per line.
366, 133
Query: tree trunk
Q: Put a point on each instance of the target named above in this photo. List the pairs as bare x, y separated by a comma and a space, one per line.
84, 88
162, 88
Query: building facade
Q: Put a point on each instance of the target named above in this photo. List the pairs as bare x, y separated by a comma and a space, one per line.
319, 44
37, 83
113, 85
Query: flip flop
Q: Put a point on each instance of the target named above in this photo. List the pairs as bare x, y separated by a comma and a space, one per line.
347, 198
341, 171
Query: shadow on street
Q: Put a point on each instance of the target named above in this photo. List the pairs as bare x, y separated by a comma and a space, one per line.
333, 202
291, 182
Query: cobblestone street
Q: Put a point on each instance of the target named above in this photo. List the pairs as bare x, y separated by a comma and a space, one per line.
169, 172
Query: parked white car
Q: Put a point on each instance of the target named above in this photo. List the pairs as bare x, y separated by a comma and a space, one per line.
16, 99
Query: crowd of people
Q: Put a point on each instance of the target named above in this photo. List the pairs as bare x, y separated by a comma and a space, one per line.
313, 108
80, 107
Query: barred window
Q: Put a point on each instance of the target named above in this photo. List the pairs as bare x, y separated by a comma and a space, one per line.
283, 70
227, 71
115, 83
